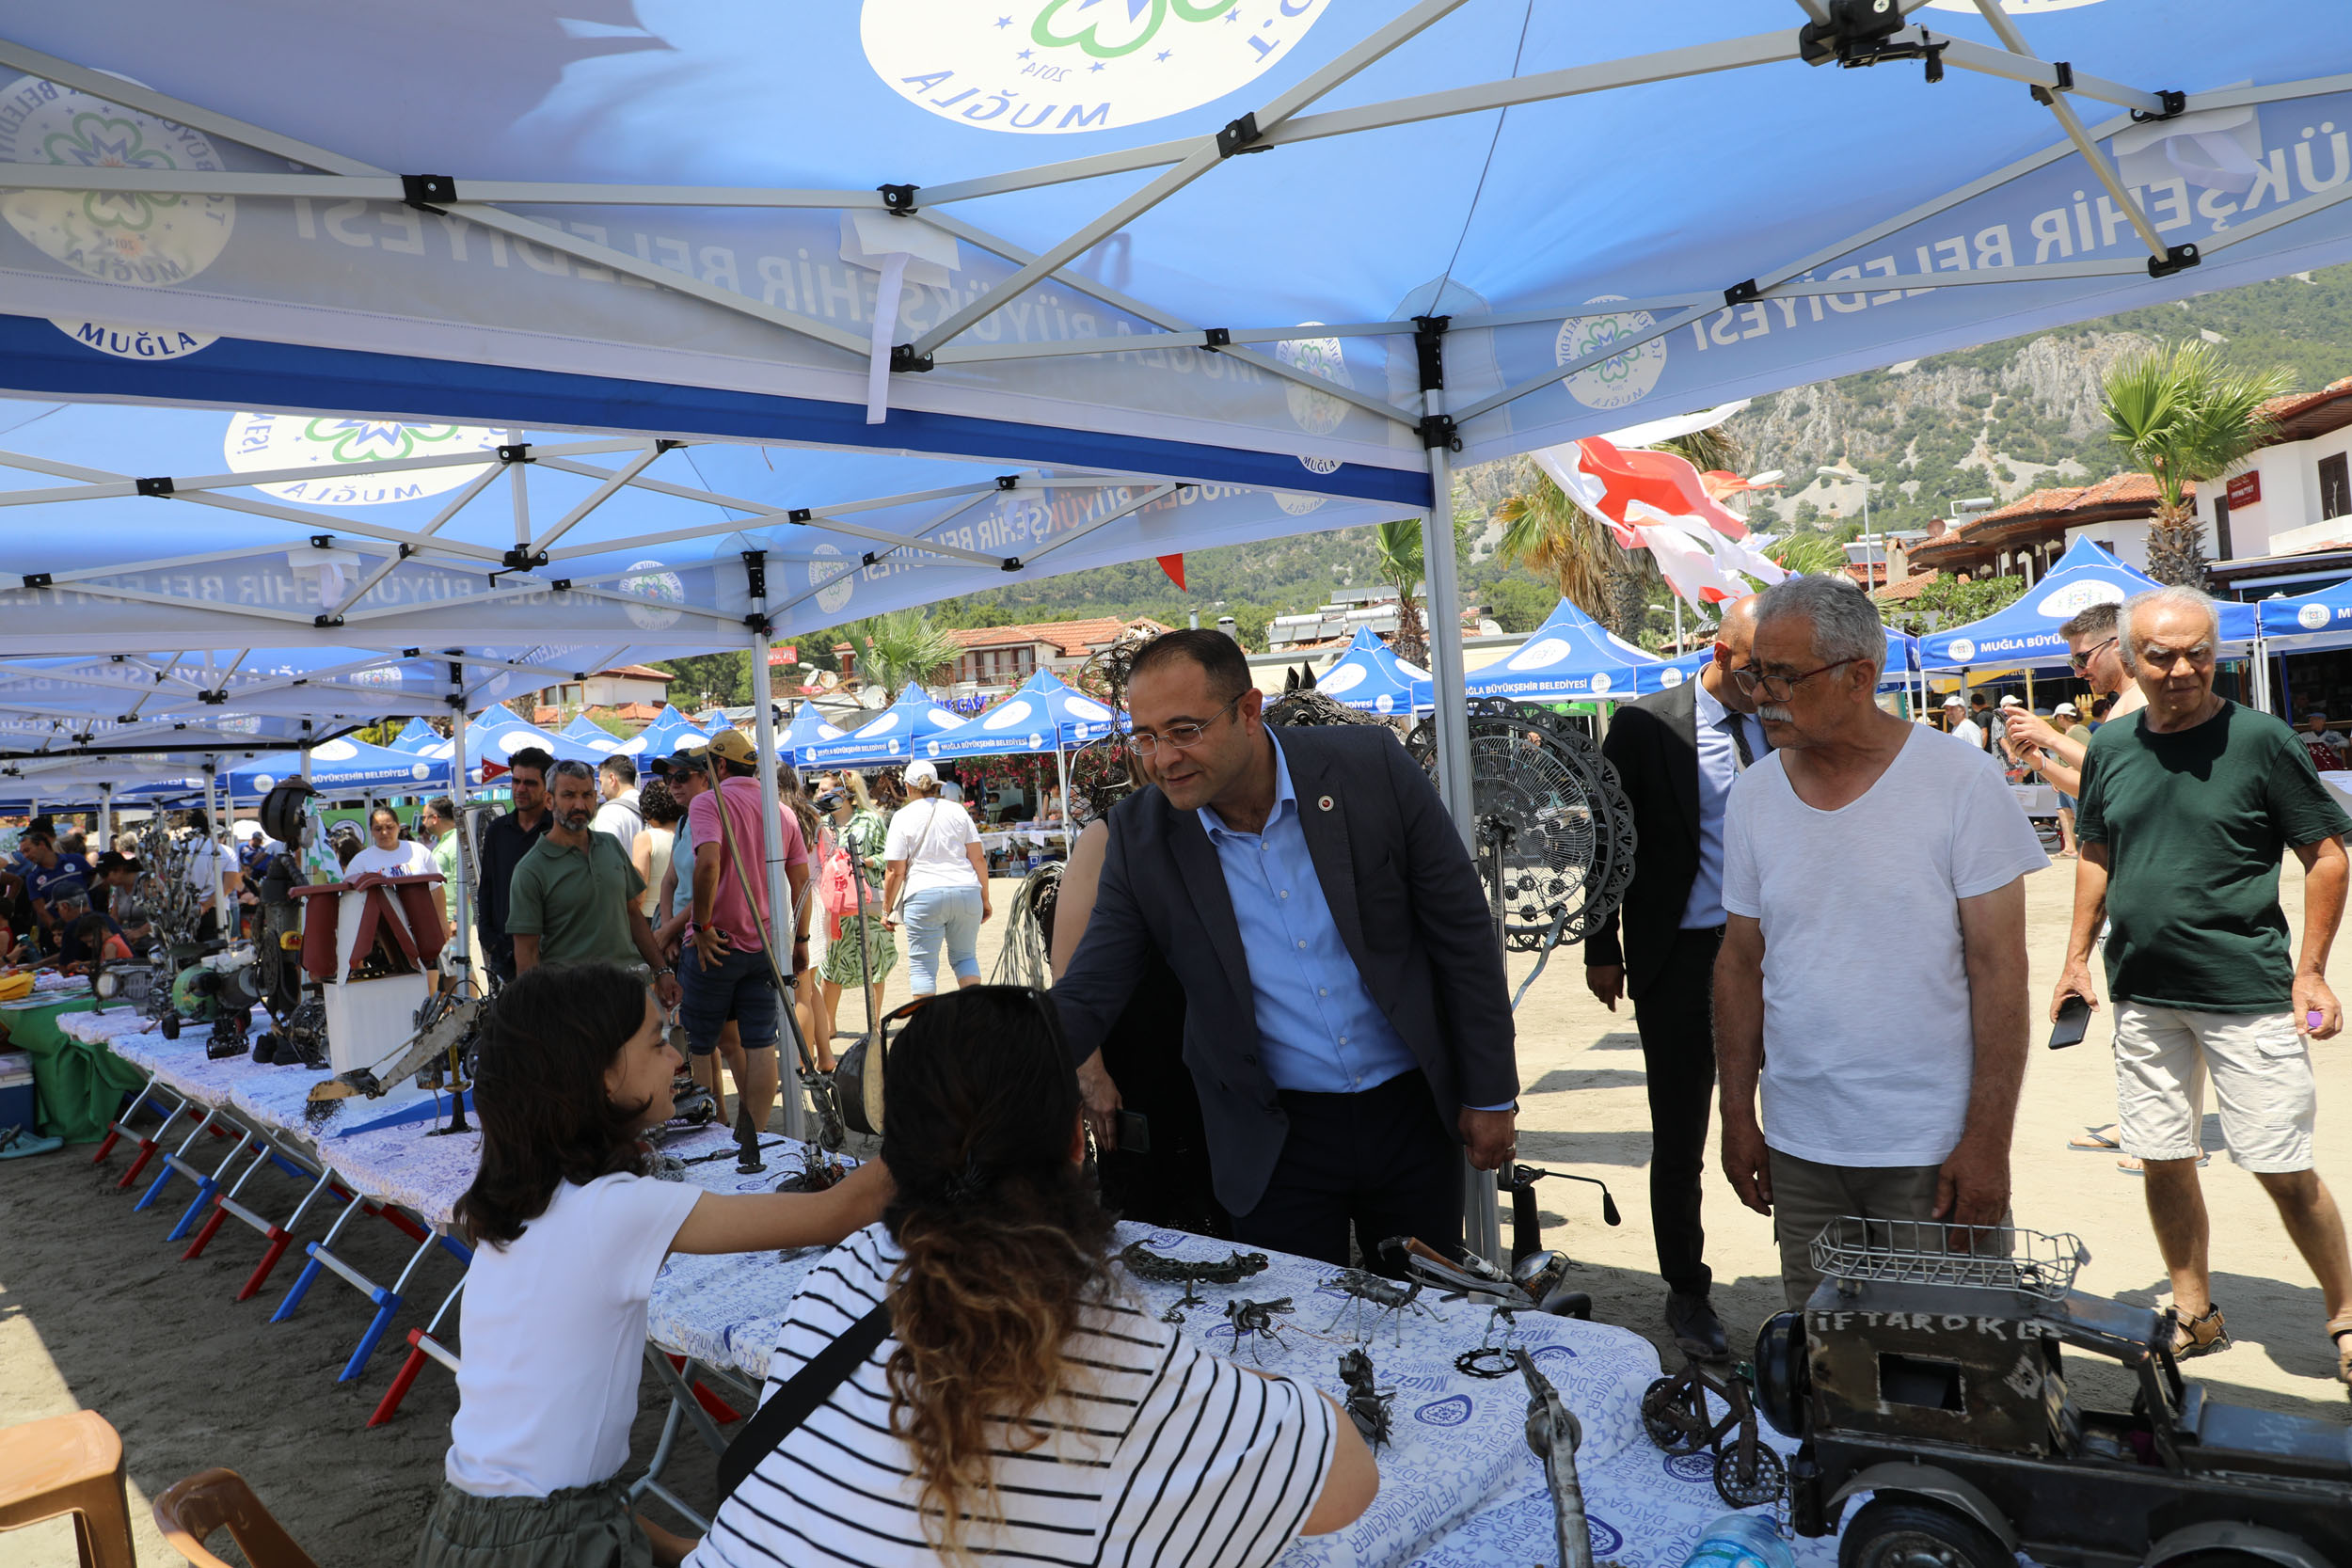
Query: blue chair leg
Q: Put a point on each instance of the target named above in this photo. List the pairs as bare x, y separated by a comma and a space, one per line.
205, 1188
301, 1284
387, 1303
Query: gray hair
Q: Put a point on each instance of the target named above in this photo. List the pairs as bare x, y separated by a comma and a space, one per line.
570, 767
1845, 620
2157, 598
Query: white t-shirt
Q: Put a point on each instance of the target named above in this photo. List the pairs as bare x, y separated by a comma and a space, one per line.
553, 1331
621, 816
931, 836
207, 864
1868, 1048
1969, 731
405, 859
1167, 1455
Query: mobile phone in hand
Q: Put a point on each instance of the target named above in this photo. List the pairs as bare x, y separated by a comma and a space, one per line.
2073, 1022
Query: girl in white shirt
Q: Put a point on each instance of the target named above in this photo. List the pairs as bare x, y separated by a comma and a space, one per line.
1020, 1406
570, 1232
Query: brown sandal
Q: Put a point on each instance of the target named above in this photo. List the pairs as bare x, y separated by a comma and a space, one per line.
2205, 1334
2339, 1330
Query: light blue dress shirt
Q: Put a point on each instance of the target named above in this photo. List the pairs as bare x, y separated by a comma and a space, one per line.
1319, 1030
1718, 770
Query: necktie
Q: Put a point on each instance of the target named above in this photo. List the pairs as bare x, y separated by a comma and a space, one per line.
1739, 738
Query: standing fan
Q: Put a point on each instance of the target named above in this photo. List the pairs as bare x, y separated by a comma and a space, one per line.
1553, 833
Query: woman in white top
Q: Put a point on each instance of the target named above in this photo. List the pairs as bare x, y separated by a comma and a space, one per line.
569, 1232
1020, 1407
650, 851
933, 856
388, 854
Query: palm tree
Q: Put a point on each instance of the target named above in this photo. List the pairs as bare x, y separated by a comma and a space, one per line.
1809, 554
900, 647
1399, 559
2186, 418
1560, 541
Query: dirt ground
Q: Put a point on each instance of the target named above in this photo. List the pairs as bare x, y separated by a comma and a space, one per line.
96, 1311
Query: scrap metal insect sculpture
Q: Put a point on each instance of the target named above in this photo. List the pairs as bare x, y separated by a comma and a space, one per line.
1367, 1403
1254, 1321
1148, 1265
1372, 1301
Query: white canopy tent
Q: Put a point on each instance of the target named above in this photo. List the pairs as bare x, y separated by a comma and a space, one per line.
908, 367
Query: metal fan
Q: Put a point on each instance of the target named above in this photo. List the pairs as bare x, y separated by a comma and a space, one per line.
1554, 832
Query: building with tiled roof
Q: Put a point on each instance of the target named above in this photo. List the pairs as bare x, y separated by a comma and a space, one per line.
2033, 530
2294, 496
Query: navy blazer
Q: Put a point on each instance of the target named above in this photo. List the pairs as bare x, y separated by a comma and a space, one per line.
1409, 904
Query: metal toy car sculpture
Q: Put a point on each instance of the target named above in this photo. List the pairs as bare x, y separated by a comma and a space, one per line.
1926, 1370
1679, 1419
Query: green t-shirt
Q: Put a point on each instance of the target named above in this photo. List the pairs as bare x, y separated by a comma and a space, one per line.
2195, 824
577, 904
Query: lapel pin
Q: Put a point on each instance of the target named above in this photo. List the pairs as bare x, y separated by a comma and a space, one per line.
1325, 802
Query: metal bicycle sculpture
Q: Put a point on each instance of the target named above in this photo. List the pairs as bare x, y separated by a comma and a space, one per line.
1553, 830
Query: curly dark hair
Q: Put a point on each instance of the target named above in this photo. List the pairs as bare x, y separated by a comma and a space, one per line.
1004, 1240
659, 807
539, 1094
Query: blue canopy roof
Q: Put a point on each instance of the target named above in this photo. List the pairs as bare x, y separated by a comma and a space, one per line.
1903, 658
347, 763
1044, 713
807, 730
669, 732
2321, 620
1569, 658
2025, 632
585, 731
914, 727
1369, 676
415, 736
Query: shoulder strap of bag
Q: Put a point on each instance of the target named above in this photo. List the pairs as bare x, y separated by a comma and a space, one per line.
798, 1399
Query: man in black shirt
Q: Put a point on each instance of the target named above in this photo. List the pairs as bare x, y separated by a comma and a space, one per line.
505, 844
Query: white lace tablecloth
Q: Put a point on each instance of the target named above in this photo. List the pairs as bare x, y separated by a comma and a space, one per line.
106, 1027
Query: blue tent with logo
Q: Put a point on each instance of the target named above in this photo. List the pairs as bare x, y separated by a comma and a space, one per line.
1571, 658
496, 735
2025, 633
1044, 713
346, 766
2308, 622
808, 730
415, 736
670, 732
913, 727
585, 731
1369, 676
1902, 660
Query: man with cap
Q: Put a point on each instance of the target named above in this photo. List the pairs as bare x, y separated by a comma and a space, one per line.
724, 965
1956, 721
2324, 746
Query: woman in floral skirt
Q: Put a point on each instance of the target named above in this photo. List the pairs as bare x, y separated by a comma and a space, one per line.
860, 831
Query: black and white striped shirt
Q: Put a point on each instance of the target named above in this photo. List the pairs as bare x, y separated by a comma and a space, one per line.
1160, 1456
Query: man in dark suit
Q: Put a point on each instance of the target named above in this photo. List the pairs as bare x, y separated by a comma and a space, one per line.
1346, 1020
1678, 754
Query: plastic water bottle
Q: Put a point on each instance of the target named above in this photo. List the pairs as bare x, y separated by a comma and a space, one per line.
1741, 1541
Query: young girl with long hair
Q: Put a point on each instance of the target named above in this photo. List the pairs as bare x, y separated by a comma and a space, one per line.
570, 1231
1019, 1406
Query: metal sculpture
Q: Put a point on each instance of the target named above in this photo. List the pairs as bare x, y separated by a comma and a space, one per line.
1367, 1403
1255, 1320
1370, 1296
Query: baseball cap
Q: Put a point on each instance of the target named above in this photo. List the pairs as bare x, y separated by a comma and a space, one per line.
1954, 702
2012, 700
732, 746
2068, 709
920, 772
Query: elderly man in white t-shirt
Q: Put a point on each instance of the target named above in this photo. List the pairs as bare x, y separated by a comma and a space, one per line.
1864, 846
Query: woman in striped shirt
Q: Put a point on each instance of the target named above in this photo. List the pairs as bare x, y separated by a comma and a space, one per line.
1020, 1406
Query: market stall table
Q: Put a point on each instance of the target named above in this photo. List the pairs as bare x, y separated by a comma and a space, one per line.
77, 1084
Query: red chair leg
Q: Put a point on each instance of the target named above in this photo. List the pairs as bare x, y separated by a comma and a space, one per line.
270, 1254
400, 1381
205, 1234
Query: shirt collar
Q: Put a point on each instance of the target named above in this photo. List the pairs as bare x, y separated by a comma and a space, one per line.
1711, 709
1284, 795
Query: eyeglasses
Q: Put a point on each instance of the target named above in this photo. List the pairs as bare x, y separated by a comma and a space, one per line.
1180, 738
1779, 689
2082, 661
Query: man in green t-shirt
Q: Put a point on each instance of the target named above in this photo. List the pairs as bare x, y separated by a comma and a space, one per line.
574, 896
2186, 809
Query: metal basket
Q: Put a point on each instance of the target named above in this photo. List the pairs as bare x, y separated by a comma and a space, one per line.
1929, 1252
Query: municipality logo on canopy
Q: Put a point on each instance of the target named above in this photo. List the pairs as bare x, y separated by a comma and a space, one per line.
1052, 67
265, 443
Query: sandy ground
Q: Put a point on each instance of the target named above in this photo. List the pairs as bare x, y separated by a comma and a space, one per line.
96, 1311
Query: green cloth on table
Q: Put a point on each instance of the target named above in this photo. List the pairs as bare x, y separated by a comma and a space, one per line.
77, 1087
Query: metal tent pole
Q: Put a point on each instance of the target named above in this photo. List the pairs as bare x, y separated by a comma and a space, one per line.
781, 914
105, 817
462, 897
1482, 1229
224, 914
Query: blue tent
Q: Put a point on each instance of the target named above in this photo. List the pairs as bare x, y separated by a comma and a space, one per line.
1902, 659
495, 735
1569, 658
807, 731
585, 731
1043, 714
415, 736
347, 765
2025, 633
669, 732
1369, 676
912, 728
2309, 622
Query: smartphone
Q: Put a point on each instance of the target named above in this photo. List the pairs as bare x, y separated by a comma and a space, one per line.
1134, 1133
2073, 1022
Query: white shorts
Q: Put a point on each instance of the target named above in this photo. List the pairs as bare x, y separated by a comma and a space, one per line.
2262, 1074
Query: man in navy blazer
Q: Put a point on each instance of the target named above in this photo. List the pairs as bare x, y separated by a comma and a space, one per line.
1346, 1019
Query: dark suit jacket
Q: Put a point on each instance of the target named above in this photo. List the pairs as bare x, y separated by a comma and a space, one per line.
1409, 904
1653, 744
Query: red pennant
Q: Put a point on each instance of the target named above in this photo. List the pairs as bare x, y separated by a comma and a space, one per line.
1174, 566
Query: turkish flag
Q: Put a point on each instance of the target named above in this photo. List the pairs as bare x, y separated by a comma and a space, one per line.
1174, 566
1659, 480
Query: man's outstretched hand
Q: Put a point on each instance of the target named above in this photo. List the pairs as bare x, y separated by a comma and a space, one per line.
1100, 1097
